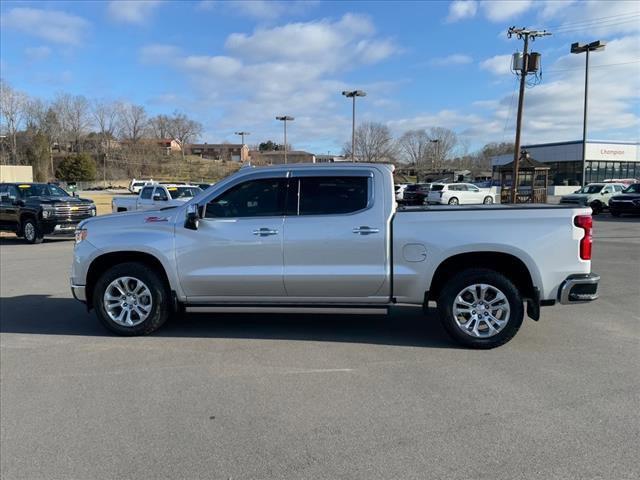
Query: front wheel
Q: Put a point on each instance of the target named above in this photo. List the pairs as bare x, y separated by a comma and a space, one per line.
31, 231
453, 201
131, 299
480, 308
596, 207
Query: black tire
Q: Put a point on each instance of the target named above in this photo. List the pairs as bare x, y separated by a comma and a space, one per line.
454, 201
31, 231
615, 213
596, 207
470, 277
160, 309
488, 200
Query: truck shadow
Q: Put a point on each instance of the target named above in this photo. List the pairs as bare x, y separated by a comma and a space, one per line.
44, 315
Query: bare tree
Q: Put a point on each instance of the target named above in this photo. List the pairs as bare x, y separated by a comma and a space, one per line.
105, 116
160, 126
75, 118
183, 130
13, 105
374, 143
442, 146
415, 148
133, 122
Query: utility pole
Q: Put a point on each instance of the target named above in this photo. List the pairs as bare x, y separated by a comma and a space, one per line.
578, 48
285, 119
353, 94
522, 34
242, 134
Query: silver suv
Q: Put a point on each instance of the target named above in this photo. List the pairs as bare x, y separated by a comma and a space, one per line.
594, 195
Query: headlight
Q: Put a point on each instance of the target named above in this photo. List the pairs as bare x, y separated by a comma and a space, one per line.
47, 211
92, 210
81, 234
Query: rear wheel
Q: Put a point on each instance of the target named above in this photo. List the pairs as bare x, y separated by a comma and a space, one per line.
131, 299
487, 200
453, 201
480, 308
31, 231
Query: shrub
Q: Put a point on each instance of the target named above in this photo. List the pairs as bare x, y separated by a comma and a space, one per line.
77, 168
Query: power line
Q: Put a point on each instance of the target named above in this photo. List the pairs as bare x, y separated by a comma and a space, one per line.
600, 25
592, 66
594, 20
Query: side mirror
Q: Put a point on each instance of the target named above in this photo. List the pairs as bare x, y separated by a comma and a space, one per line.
604, 193
192, 221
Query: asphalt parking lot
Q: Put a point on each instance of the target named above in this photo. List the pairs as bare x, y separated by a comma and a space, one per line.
274, 396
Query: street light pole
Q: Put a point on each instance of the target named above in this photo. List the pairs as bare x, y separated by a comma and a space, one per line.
353, 94
285, 119
578, 48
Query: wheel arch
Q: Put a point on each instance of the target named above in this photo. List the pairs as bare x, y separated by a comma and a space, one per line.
506, 264
101, 263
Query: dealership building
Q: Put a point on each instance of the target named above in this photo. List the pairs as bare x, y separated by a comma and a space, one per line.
604, 161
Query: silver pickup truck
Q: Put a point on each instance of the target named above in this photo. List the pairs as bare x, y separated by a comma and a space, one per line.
155, 197
327, 238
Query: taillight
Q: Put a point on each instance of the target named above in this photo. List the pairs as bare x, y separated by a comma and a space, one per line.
586, 223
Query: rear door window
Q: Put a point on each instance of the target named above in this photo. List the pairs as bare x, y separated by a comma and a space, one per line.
146, 193
161, 194
332, 195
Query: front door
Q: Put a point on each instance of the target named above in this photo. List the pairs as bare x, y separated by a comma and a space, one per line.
335, 246
8, 208
237, 249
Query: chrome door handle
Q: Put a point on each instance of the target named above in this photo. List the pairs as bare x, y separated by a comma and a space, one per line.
265, 232
365, 230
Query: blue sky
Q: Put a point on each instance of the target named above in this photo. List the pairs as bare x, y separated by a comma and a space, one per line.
236, 65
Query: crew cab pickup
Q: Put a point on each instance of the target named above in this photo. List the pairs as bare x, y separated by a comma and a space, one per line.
327, 238
154, 197
33, 210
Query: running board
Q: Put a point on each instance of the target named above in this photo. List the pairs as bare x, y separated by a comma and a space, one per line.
291, 309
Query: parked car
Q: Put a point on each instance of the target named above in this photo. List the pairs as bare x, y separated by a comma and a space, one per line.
415, 193
399, 189
33, 210
458, 194
318, 238
136, 185
154, 197
594, 195
204, 186
628, 201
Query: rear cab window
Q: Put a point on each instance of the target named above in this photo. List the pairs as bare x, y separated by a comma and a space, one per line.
334, 195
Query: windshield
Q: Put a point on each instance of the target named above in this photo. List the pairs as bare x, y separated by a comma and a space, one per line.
635, 188
591, 189
437, 187
41, 190
412, 188
183, 192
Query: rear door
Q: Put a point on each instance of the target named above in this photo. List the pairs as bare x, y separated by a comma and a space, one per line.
145, 199
335, 244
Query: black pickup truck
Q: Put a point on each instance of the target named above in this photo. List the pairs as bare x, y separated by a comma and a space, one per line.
33, 210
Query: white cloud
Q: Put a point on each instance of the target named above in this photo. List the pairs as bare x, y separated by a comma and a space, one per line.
454, 59
501, 10
51, 25
461, 9
498, 64
287, 69
37, 53
132, 11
